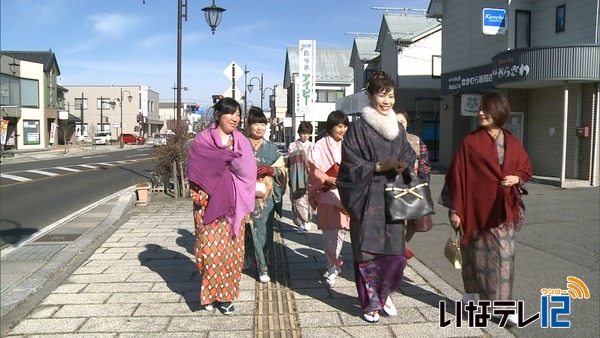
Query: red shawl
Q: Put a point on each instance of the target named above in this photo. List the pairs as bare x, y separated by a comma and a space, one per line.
474, 181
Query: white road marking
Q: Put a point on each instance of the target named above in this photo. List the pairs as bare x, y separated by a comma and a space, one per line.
87, 166
42, 172
67, 169
15, 177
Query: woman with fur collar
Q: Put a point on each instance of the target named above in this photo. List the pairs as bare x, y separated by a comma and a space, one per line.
374, 151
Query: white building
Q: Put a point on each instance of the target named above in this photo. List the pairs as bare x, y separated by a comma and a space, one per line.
408, 47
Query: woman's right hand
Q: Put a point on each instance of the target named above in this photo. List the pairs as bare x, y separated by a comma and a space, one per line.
455, 220
393, 164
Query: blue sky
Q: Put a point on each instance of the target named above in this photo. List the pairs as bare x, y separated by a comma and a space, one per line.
126, 42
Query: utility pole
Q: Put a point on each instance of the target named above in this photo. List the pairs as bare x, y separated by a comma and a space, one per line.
81, 114
101, 111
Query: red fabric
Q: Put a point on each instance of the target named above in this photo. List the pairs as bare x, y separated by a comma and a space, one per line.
332, 172
409, 254
474, 181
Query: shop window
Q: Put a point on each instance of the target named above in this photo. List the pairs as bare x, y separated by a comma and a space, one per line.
31, 132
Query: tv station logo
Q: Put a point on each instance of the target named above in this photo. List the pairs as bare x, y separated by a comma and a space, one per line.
555, 305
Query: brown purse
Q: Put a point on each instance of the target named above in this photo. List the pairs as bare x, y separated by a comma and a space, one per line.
452, 248
423, 224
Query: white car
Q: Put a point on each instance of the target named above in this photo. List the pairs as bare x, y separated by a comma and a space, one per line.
84, 139
159, 140
102, 137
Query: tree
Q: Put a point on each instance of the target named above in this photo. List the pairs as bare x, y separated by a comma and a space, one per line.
173, 156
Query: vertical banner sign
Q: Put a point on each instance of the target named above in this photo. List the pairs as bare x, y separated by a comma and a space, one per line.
3, 131
306, 62
52, 132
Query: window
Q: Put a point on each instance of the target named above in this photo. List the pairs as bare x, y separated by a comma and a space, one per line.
19, 92
78, 103
436, 65
29, 93
105, 103
31, 131
9, 90
560, 18
523, 29
324, 95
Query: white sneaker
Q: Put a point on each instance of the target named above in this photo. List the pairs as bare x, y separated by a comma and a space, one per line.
301, 229
264, 278
307, 226
337, 270
330, 280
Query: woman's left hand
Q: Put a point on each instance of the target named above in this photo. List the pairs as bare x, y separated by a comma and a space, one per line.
510, 180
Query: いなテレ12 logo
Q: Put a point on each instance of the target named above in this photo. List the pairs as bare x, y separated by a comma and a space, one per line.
550, 314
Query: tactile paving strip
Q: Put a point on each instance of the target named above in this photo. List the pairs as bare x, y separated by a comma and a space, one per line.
276, 316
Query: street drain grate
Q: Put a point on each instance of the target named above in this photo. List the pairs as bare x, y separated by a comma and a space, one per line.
58, 238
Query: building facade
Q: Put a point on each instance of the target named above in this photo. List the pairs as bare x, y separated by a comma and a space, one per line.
107, 108
30, 100
545, 57
408, 47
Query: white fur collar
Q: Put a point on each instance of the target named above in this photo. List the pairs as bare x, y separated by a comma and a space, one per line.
384, 125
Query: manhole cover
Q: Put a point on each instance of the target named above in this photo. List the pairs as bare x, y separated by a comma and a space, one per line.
58, 238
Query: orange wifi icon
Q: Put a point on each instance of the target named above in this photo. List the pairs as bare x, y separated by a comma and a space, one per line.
577, 288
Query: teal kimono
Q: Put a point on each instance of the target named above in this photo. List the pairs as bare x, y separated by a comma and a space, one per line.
259, 234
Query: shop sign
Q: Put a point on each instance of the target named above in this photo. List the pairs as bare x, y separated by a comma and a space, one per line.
469, 104
494, 21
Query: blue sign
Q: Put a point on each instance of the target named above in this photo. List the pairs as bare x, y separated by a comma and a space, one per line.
494, 21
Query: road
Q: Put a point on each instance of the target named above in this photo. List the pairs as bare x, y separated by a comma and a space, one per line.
36, 194
560, 238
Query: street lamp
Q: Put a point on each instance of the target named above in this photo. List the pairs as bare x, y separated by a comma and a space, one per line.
213, 15
213, 18
260, 87
129, 98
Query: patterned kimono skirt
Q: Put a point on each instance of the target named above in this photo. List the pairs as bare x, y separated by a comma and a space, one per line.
219, 257
488, 263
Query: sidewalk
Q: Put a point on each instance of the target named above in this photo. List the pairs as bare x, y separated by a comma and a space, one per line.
136, 277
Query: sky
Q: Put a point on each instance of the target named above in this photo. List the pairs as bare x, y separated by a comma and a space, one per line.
127, 42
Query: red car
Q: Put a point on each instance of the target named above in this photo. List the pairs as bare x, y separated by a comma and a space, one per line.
130, 138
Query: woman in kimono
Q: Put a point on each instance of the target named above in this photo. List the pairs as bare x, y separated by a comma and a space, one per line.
323, 195
483, 193
222, 175
374, 151
301, 210
271, 178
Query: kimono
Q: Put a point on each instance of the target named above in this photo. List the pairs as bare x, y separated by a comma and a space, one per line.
378, 248
301, 210
259, 232
361, 189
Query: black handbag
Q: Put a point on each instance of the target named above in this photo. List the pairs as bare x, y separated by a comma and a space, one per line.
407, 197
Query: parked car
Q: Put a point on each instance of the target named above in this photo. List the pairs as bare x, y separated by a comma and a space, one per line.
133, 139
84, 139
159, 140
102, 137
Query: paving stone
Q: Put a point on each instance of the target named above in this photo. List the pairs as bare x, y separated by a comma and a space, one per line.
49, 325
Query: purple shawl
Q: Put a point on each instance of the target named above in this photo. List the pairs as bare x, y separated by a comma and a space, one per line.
228, 176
